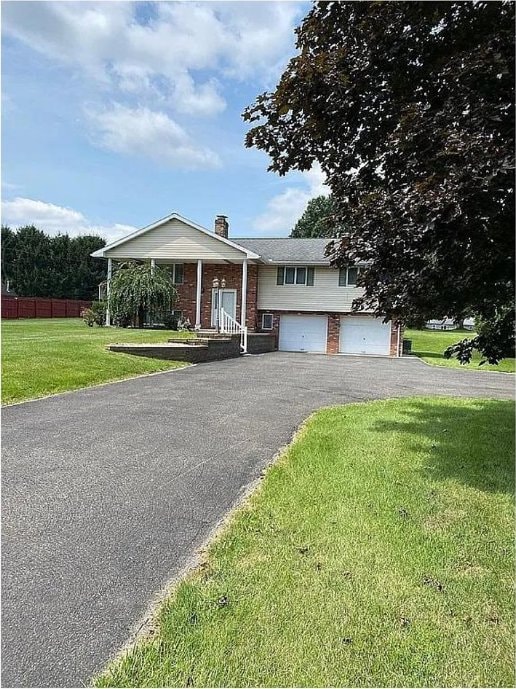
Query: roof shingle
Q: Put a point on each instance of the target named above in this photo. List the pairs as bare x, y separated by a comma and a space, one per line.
288, 249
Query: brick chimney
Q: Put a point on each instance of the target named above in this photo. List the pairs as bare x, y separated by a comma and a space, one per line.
222, 226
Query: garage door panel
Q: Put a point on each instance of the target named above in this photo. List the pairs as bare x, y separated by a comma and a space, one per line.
364, 335
303, 333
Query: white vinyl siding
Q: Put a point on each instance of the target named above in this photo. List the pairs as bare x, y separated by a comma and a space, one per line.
324, 295
177, 241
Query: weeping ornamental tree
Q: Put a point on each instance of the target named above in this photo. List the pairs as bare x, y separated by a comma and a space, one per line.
137, 289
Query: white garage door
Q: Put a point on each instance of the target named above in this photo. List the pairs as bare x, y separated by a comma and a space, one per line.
364, 335
303, 333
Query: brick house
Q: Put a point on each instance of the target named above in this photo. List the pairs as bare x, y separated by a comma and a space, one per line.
281, 286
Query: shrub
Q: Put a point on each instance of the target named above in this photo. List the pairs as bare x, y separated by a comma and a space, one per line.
96, 315
170, 321
88, 317
184, 325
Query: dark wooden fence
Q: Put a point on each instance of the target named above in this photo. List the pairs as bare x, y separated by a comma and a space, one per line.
39, 307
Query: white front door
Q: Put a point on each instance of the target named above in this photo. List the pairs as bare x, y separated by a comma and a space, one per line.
303, 333
227, 302
364, 335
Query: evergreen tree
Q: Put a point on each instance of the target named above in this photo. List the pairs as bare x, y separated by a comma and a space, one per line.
61, 267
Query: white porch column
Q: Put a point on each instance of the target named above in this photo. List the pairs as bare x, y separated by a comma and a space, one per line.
109, 274
198, 295
152, 264
244, 293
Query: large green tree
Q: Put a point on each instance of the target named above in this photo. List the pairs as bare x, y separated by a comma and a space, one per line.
8, 253
317, 219
409, 109
89, 272
28, 263
39, 265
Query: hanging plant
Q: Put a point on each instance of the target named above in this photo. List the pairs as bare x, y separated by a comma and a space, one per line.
137, 289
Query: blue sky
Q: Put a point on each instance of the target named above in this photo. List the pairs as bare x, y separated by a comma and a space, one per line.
116, 114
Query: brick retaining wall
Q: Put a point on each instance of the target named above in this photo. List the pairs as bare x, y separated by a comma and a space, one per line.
202, 351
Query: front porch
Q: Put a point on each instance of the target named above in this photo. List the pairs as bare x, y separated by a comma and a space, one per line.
196, 257
198, 293
197, 297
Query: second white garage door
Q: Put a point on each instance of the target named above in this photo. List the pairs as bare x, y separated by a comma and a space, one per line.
303, 333
364, 335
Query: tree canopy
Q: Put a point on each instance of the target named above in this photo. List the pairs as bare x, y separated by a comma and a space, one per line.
39, 265
409, 109
139, 289
317, 219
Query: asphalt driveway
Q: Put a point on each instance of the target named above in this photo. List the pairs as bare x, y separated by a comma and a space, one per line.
108, 491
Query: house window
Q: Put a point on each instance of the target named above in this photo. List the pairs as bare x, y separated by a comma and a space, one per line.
169, 320
267, 321
177, 272
348, 276
295, 275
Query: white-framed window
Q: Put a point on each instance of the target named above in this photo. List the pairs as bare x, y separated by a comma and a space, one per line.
348, 276
173, 315
177, 272
267, 321
295, 275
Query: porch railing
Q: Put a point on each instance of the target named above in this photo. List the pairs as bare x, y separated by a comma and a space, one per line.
232, 327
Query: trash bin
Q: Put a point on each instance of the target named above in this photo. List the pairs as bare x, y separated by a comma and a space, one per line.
407, 346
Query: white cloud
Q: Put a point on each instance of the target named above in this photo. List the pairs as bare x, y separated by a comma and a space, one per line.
146, 133
285, 209
54, 219
165, 55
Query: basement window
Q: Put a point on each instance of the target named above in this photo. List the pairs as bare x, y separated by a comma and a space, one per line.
267, 321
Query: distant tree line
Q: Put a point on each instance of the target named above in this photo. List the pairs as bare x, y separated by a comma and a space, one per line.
40, 265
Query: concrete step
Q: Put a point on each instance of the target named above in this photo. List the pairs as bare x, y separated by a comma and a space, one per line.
212, 334
199, 340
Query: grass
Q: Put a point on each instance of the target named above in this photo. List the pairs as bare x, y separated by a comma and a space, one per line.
429, 345
49, 355
377, 552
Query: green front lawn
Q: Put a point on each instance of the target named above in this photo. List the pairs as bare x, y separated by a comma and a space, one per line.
430, 345
378, 551
47, 355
